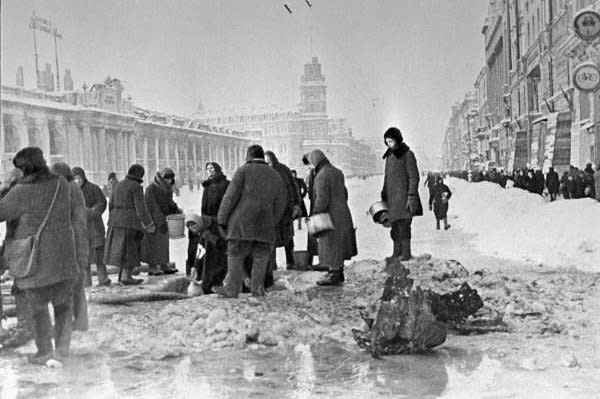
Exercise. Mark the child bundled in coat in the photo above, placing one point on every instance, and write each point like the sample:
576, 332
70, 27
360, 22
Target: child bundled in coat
441, 196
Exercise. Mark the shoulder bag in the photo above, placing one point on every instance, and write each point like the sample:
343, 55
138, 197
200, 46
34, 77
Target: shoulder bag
20, 254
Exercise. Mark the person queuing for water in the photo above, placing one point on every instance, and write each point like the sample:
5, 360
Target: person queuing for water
293, 210
248, 218
302, 191
159, 202
95, 203
597, 183
44, 208
439, 203
110, 184
429, 183
128, 219
331, 197
80, 312
400, 191
22, 332
214, 263
312, 246
588, 181
552, 183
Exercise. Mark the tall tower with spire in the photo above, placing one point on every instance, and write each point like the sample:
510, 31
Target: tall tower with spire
313, 93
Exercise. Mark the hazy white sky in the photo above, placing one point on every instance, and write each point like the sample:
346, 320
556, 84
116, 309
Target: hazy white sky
387, 62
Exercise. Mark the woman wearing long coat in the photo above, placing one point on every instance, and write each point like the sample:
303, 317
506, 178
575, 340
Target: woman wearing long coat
400, 191
159, 201
331, 197
62, 247
441, 196
214, 263
128, 218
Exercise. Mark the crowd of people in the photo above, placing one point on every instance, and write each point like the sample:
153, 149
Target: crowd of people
574, 183
55, 230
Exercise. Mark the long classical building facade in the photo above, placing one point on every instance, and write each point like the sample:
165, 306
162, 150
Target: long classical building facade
529, 112
290, 134
102, 132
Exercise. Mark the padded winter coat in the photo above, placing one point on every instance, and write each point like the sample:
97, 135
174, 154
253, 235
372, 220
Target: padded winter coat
253, 204
401, 183
95, 204
126, 206
63, 245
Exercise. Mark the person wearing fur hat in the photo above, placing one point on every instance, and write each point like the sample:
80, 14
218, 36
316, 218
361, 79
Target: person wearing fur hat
248, 217
331, 197
44, 202
400, 191
160, 204
439, 201
128, 219
95, 203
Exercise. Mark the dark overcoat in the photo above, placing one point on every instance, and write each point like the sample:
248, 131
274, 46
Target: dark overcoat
63, 244
552, 182
286, 224
95, 204
159, 201
253, 203
126, 206
401, 183
212, 194
440, 207
331, 196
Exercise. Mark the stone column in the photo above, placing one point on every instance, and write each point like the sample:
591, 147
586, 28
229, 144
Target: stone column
132, 150
87, 147
103, 164
186, 168
145, 155
195, 161
157, 154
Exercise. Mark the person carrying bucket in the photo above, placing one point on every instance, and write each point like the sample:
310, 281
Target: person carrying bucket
159, 201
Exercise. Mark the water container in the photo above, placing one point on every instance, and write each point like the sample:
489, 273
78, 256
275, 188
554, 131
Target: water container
176, 224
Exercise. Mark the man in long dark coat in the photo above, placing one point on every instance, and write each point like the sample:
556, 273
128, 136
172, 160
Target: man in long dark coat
95, 204
159, 201
552, 183
293, 210
400, 191
331, 197
248, 217
302, 191
128, 219
439, 202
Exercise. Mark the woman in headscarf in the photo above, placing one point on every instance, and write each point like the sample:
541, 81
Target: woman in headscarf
45, 204
214, 264
160, 204
331, 196
127, 220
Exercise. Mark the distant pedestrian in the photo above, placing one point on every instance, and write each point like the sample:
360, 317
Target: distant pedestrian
441, 196
128, 219
429, 183
44, 202
331, 197
248, 218
285, 236
597, 183
552, 183
538, 182
566, 184
588, 181
400, 191
159, 202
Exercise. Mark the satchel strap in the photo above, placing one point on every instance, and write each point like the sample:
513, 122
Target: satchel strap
41, 228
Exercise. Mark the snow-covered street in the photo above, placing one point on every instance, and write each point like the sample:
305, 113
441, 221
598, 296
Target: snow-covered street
197, 347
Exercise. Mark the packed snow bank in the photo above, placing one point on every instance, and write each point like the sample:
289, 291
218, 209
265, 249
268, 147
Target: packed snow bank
515, 224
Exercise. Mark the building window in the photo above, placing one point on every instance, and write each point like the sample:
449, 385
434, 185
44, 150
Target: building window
11, 137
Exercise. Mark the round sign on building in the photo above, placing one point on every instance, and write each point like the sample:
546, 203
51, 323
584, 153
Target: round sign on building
587, 24
586, 76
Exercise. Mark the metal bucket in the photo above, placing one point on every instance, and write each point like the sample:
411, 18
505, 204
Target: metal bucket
176, 224
319, 223
377, 209
301, 260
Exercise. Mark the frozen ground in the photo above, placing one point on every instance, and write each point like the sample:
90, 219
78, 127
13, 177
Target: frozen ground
195, 348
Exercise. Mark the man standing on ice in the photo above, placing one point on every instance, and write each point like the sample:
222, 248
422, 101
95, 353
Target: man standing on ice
400, 191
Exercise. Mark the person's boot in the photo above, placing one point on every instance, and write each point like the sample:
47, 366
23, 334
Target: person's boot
169, 268
437, 224
154, 270
405, 250
87, 278
103, 279
342, 278
127, 278
43, 337
446, 225
63, 328
22, 333
332, 278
